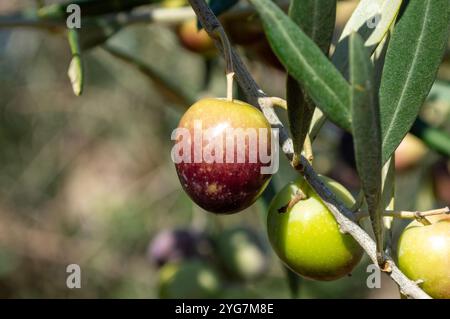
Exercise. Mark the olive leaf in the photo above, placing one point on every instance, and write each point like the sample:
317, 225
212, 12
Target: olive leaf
379, 14
412, 60
317, 19
372, 20
76, 70
366, 132
306, 62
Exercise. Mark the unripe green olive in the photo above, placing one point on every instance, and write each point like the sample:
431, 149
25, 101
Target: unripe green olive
306, 237
424, 254
190, 279
242, 253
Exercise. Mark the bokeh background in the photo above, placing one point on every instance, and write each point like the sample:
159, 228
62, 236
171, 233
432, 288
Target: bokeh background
88, 180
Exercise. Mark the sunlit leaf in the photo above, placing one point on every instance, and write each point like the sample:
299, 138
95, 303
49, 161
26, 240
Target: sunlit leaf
306, 62
317, 19
413, 58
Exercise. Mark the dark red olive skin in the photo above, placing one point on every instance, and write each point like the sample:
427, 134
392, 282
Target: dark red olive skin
224, 188
176, 245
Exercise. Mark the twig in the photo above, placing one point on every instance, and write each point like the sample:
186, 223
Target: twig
407, 214
343, 216
279, 102
137, 16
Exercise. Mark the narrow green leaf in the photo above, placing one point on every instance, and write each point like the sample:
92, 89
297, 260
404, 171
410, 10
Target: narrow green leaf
366, 132
305, 61
412, 60
76, 70
378, 13
372, 20
317, 19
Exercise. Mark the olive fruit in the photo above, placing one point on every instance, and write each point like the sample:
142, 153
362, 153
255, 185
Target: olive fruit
218, 154
241, 253
424, 254
177, 245
409, 153
306, 237
441, 177
195, 40
188, 280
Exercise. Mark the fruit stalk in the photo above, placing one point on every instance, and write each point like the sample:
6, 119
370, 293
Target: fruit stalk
220, 32
344, 216
420, 216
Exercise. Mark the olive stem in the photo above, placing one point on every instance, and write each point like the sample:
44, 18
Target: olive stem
228, 55
343, 215
230, 78
279, 102
419, 216
299, 195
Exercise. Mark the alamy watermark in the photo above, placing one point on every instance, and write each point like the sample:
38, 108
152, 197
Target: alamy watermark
224, 144
73, 20
374, 279
375, 19
73, 280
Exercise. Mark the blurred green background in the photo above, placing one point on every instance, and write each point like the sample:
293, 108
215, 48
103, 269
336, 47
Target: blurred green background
88, 180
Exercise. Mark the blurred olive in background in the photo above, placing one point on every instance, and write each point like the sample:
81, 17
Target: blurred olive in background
189, 279
177, 245
409, 153
441, 174
196, 40
241, 253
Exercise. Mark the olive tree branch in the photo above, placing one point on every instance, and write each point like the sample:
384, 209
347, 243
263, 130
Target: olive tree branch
143, 14
343, 215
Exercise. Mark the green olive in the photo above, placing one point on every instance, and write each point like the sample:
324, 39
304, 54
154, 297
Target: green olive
306, 237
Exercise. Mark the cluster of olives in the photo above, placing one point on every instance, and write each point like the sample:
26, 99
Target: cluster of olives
306, 236
195, 265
